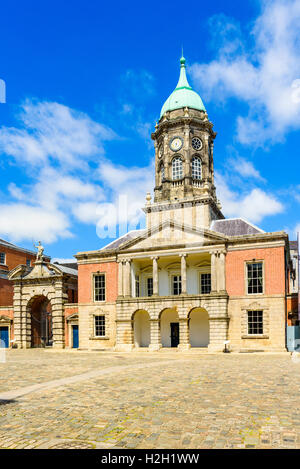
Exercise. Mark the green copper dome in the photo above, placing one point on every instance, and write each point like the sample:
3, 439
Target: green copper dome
183, 95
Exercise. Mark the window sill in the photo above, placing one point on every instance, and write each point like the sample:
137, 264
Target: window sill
255, 336
99, 338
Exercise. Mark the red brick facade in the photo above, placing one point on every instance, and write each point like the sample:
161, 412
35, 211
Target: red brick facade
85, 281
274, 270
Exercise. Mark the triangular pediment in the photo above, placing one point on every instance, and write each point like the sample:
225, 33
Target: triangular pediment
170, 234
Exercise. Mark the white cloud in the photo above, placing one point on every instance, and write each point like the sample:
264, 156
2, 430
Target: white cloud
24, 222
54, 141
253, 206
125, 189
266, 77
52, 132
245, 168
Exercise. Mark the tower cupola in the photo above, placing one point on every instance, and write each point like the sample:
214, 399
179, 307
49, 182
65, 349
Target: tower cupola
183, 96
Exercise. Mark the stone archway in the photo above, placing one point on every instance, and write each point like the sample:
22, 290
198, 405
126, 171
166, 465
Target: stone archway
40, 312
141, 328
169, 328
199, 327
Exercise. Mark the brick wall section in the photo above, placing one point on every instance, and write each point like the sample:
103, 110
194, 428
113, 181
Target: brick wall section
274, 270
6, 292
14, 257
85, 281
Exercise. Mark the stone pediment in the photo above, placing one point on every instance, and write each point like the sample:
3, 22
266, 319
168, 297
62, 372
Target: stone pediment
170, 234
40, 270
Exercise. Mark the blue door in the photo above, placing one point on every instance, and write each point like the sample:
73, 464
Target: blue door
4, 337
75, 336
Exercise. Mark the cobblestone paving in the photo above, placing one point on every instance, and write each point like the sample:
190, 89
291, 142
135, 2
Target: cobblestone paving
178, 400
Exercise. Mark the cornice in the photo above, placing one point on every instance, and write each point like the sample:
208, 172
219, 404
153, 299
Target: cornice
183, 120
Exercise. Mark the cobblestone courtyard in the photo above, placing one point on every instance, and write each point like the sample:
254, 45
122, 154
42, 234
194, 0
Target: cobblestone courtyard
148, 400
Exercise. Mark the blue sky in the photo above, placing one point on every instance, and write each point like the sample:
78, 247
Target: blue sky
85, 83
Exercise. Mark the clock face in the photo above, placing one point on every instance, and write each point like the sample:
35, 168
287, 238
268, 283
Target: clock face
176, 143
196, 143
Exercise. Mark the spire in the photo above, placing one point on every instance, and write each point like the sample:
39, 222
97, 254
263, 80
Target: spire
183, 96
182, 82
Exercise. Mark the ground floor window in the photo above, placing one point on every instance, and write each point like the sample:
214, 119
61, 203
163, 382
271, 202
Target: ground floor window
255, 322
99, 326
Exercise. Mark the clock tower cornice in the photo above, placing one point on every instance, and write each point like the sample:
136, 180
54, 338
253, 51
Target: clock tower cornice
170, 124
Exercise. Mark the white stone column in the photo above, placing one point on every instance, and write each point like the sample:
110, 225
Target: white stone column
155, 275
57, 311
214, 285
127, 286
18, 315
183, 274
222, 271
120, 278
184, 334
155, 338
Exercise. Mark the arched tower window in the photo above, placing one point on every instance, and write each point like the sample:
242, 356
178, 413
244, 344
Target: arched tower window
196, 168
177, 168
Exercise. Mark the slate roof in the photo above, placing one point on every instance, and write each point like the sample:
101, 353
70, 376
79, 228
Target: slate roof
235, 227
17, 248
123, 239
71, 265
67, 270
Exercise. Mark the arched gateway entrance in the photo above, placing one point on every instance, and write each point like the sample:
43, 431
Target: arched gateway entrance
40, 294
41, 322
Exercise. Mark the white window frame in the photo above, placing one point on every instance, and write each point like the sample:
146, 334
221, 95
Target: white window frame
258, 261
101, 325
262, 322
200, 281
96, 274
196, 170
146, 285
177, 169
172, 283
4, 257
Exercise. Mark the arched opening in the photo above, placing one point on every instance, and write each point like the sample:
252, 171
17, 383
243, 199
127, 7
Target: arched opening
196, 168
177, 168
141, 328
41, 322
199, 327
169, 328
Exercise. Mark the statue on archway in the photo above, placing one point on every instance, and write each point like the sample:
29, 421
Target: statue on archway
39, 254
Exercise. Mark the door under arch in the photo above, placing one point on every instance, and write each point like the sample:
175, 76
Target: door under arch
41, 323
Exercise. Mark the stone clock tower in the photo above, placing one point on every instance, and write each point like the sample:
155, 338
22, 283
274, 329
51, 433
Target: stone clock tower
184, 169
